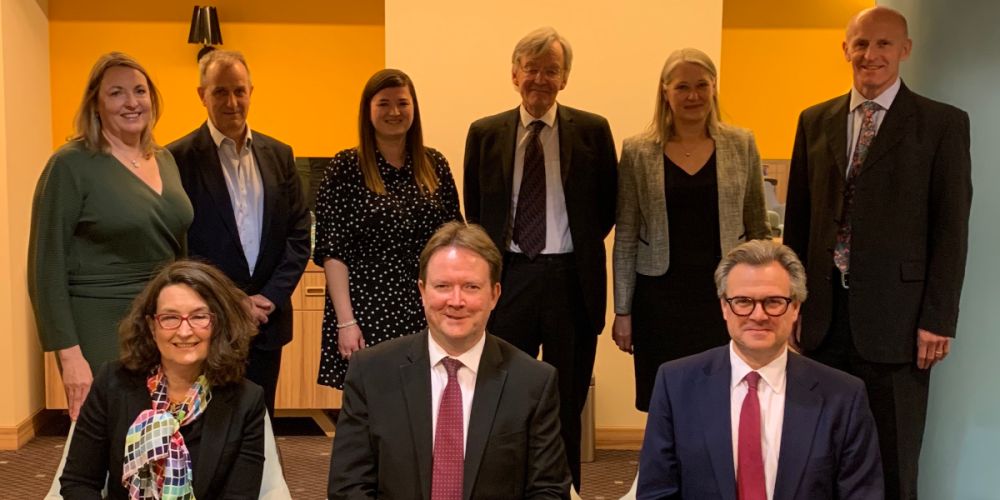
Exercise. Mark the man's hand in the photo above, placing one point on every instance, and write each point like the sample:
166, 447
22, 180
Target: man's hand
621, 332
260, 307
931, 348
76, 377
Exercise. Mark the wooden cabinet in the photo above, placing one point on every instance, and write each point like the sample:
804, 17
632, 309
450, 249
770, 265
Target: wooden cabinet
298, 393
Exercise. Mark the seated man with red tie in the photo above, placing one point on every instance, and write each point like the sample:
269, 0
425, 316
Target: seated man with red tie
450, 413
753, 420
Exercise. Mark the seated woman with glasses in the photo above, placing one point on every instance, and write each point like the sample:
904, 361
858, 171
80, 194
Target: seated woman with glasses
174, 417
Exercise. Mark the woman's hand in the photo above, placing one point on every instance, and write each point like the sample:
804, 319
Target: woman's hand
349, 339
76, 378
621, 332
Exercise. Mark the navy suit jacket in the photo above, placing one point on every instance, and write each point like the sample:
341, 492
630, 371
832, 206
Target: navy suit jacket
829, 447
384, 442
284, 238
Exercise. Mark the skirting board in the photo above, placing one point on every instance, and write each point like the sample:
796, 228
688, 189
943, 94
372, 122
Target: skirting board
618, 438
13, 438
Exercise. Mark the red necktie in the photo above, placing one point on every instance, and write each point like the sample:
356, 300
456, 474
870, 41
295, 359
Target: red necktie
750, 462
529, 216
449, 439
842, 251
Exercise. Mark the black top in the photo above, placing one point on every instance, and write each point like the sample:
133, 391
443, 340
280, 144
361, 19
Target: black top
692, 216
379, 239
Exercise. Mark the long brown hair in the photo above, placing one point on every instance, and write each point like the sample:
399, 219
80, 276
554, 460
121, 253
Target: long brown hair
423, 167
88, 123
232, 325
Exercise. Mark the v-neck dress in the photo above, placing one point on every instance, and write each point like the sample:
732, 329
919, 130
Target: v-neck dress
379, 239
98, 234
677, 314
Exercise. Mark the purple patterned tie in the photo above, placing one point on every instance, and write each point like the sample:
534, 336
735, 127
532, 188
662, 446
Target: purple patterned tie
529, 217
842, 252
449, 439
750, 460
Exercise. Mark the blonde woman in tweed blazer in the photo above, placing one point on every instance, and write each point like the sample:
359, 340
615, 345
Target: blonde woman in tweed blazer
663, 311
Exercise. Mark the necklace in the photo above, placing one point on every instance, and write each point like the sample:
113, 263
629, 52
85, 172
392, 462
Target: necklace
134, 162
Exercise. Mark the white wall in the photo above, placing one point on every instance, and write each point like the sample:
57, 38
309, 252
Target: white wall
458, 54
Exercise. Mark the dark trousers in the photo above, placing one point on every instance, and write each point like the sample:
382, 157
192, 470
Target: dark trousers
262, 369
897, 394
541, 305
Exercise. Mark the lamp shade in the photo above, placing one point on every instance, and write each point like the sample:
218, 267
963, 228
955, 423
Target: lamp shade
205, 26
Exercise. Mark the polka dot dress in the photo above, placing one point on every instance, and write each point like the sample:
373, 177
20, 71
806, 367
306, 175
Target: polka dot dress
379, 239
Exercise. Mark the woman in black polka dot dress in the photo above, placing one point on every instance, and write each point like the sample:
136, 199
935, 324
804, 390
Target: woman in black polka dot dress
378, 205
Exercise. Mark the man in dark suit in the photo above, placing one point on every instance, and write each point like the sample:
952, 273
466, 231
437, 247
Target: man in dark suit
250, 218
451, 412
878, 207
753, 420
541, 179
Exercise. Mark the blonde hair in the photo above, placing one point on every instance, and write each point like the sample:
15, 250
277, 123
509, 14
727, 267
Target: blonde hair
662, 127
87, 121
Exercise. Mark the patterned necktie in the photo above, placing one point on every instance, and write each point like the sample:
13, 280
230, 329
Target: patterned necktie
449, 439
750, 462
842, 252
529, 218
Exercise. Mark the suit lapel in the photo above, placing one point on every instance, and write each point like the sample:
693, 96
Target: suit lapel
715, 413
507, 142
416, 381
836, 133
490, 380
264, 158
892, 129
215, 429
210, 171
567, 134
802, 411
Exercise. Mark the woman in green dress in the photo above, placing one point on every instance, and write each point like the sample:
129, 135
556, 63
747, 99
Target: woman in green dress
109, 210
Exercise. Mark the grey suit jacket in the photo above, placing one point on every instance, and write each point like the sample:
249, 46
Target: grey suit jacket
384, 443
641, 234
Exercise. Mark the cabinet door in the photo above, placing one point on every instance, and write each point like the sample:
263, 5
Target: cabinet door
297, 387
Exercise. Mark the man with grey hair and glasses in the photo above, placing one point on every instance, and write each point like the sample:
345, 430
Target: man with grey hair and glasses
541, 179
754, 420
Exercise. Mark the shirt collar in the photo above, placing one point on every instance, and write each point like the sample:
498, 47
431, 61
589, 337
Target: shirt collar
884, 99
468, 358
218, 137
549, 117
773, 373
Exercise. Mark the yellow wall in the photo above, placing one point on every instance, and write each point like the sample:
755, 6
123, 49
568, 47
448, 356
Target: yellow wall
24, 146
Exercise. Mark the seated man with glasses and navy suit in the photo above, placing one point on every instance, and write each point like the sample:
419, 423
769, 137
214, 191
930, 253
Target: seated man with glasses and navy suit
752, 420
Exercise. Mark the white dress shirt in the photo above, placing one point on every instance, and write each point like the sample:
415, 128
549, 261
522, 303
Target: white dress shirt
857, 116
246, 190
466, 380
557, 235
771, 394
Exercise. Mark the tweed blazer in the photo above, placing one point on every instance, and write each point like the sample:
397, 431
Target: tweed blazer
641, 234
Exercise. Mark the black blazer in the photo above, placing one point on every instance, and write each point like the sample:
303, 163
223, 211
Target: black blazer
230, 458
829, 447
909, 223
213, 236
383, 444
588, 162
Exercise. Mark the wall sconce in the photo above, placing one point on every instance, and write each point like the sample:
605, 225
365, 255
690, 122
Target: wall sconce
205, 29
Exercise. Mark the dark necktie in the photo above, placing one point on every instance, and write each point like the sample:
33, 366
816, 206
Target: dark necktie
449, 439
842, 252
750, 462
529, 217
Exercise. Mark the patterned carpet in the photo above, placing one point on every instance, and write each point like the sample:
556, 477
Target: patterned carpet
27, 473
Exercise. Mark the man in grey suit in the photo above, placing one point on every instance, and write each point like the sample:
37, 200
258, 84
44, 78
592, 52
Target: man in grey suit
878, 210
452, 412
541, 179
250, 217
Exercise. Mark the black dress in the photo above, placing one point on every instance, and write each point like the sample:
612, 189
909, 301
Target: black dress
678, 314
379, 239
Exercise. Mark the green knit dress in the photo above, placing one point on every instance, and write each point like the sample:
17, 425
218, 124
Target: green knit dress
98, 234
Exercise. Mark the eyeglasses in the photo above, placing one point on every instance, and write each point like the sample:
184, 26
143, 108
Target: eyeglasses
773, 306
170, 321
550, 73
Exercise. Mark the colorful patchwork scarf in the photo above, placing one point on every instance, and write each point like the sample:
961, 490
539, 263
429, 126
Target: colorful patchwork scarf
157, 464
